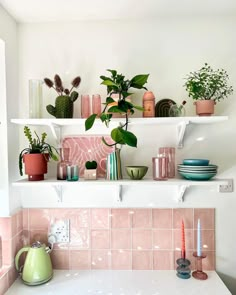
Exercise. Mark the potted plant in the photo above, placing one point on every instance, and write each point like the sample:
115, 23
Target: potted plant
90, 171
118, 84
207, 86
36, 156
64, 104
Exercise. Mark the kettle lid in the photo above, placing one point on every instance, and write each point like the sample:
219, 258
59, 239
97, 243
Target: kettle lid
36, 245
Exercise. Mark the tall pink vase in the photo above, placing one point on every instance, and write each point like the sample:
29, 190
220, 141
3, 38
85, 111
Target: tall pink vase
85, 106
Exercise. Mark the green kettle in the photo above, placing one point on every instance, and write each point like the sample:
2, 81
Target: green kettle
37, 268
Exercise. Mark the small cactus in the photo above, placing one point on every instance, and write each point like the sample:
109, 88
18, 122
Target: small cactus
64, 107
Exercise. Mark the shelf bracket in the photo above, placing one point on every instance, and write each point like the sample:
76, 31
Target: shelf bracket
181, 128
56, 135
119, 193
181, 192
59, 192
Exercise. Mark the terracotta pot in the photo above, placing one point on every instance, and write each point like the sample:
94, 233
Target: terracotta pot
36, 166
205, 107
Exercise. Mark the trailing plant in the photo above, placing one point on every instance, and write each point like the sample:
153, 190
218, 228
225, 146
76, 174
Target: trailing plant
207, 84
118, 84
37, 145
66, 97
91, 165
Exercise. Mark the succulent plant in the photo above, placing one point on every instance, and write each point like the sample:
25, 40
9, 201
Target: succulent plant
91, 165
64, 104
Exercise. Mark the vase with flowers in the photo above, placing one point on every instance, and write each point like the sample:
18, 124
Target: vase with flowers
177, 110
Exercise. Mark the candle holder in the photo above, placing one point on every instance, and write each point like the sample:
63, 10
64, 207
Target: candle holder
199, 274
183, 269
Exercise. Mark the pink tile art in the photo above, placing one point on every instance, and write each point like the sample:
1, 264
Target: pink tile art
88, 148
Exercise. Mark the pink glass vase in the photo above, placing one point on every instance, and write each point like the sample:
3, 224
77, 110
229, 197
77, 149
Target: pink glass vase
85, 106
64, 162
96, 104
169, 152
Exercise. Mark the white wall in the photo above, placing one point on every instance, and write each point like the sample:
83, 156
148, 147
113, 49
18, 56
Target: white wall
168, 49
9, 108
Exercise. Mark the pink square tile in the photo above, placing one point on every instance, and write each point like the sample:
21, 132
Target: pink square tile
4, 285
163, 260
38, 235
79, 238
121, 259
142, 239
14, 224
100, 239
7, 257
184, 214
5, 228
25, 213
206, 216
60, 259
100, 259
121, 218
208, 263
162, 218
189, 240
208, 240
39, 219
17, 244
142, 260
142, 218
19, 221
12, 275
189, 256
100, 218
79, 218
121, 239
162, 239
80, 260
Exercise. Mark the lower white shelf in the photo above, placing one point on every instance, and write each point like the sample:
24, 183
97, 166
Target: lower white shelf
182, 184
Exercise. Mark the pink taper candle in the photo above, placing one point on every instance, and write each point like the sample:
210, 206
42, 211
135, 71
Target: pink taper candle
183, 241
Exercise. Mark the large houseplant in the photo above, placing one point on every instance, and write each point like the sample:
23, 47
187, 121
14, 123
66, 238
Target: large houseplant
64, 103
118, 84
36, 155
207, 86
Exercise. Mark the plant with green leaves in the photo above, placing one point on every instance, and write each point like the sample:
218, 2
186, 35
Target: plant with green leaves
37, 145
208, 84
118, 84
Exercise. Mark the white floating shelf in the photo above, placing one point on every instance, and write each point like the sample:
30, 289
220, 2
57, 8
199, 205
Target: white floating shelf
181, 184
133, 121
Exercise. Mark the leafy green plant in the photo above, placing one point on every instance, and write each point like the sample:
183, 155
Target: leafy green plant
118, 84
207, 84
91, 165
37, 145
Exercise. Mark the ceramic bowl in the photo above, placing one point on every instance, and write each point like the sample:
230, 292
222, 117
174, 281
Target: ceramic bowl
136, 172
196, 162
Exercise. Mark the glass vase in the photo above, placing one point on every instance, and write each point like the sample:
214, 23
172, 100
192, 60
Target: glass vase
35, 98
63, 164
176, 111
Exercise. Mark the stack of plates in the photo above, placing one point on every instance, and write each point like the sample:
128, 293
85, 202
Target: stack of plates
197, 169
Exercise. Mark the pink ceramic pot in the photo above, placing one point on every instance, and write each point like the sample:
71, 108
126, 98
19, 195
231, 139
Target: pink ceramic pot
35, 166
205, 107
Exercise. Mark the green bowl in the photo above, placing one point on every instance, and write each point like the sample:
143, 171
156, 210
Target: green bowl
136, 172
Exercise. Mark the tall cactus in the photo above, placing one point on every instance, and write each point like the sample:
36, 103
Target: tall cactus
64, 104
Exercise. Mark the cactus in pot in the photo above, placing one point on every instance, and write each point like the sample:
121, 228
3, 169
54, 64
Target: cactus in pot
64, 104
90, 171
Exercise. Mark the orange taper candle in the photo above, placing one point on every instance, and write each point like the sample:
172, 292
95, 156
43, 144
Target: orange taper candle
183, 241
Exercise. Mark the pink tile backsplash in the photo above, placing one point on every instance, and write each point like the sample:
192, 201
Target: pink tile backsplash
106, 238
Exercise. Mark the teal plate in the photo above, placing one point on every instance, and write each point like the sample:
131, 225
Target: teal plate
197, 176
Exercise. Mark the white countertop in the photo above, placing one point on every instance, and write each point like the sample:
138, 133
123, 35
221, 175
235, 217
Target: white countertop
123, 282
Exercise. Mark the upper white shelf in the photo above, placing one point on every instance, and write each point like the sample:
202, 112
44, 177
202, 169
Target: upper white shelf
133, 121
180, 122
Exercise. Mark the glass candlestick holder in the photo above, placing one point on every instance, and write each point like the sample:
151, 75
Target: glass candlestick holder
199, 274
183, 269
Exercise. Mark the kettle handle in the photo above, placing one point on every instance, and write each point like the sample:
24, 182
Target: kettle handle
24, 249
